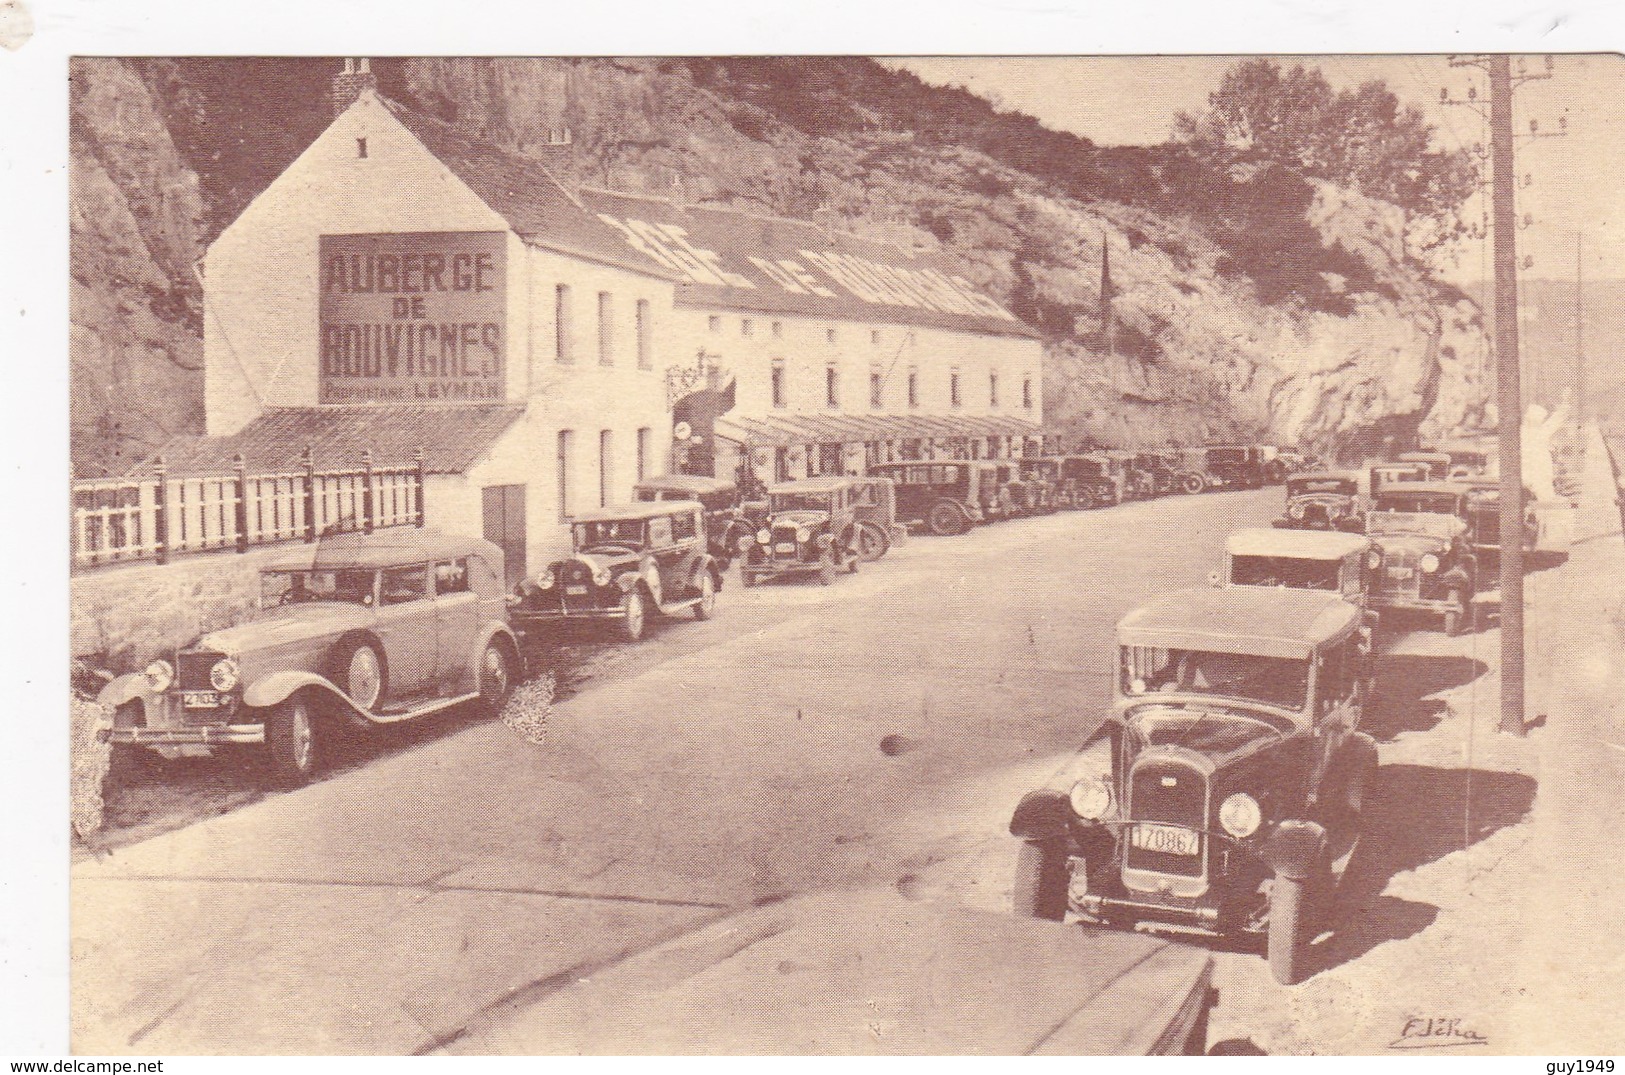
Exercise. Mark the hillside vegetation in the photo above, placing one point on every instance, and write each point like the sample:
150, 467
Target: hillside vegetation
1250, 299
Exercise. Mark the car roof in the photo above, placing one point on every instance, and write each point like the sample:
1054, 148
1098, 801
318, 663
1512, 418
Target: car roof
1299, 544
688, 483
812, 485
383, 548
1275, 622
1324, 476
1401, 488
641, 509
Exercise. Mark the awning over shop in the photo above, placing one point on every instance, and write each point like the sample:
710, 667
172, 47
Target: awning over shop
786, 429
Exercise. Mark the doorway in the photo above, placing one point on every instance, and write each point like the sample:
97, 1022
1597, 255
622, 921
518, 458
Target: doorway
505, 528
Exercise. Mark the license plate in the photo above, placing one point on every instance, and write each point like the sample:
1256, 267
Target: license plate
576, 591
1399, 572
788, 548
1166, 839
200, 699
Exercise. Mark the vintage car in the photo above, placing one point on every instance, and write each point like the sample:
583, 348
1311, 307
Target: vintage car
812, 528
1228, 466
1322, 502
1043, 474
871, 972
1230, 783
1298, 560
1139, 483
1092, 481
1438, 463
725, 521
1384, 474
1160, 466
1420, 557
945, 497
1548, 526
1016, 496
626, 562
1466, 463
353, 633
874, 504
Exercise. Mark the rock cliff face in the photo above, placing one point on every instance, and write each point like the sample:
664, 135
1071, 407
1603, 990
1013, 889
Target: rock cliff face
1281, 310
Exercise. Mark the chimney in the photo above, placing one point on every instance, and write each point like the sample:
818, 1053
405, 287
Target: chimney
349, 83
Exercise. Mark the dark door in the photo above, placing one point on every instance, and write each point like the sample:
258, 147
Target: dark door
505, 528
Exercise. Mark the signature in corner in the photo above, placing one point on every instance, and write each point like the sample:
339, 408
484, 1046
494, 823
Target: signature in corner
1435, 1032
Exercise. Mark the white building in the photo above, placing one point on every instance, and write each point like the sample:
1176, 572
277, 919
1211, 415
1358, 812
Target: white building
404, 288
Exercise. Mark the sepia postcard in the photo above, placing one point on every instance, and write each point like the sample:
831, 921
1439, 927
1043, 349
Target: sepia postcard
723, 554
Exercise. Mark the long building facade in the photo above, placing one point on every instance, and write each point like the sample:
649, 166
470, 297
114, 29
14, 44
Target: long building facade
403, 288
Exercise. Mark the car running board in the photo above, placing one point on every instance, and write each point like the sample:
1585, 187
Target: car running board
391, 716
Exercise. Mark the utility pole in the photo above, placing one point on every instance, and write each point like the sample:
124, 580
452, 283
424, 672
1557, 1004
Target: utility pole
1504, 223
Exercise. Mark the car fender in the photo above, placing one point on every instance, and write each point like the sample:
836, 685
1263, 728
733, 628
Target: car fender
130, 687
1042, 815
494, 629
628, 581
1294, 847
278, 687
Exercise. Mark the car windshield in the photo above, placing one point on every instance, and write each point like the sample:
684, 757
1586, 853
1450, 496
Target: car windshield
1274, 681
353, 586
1290, 571
800, 501
1198, 730
1417, 503
617, 533
1297, 487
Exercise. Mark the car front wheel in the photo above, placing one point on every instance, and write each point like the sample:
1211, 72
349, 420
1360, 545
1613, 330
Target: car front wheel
1084, 500
632, 615
1040, 888
944, 520
872, 541
359, 673
290, 739
1192, 484
496, 678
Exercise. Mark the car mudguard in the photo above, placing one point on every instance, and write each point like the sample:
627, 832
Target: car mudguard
1294, 847
493, 629
130, 687
278, 687
1042, 815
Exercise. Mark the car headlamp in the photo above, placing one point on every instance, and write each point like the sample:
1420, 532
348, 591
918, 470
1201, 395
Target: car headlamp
160, 674
1240, 815
764, 537
1429, 563
544, 581
600, 577
1373, 559
1091, 799
1296, 511
803, 535
225, 674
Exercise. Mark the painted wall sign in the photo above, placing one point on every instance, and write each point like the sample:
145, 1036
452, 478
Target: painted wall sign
413, 318
837, 274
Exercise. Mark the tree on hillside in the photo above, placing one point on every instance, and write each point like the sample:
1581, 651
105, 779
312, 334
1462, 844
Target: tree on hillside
1362, 139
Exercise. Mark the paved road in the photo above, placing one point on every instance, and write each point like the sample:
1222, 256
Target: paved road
875, 732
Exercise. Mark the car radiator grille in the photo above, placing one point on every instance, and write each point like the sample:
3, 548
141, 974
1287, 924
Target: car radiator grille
1487, 527
577, 574
192, 669
1151, 799
1400, 558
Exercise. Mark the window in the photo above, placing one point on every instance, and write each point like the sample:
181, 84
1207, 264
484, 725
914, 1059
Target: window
644, 433
1027, 393
874, 337
993, 388
777, 382
913, 387
361, 148
715, 323
876, 381
561, 324
606, 465
747, 327
563, 473
645, 336
606, 329
953, 388
403, 584
832, 386
778, 329
781, 464
451, 576
829, 335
